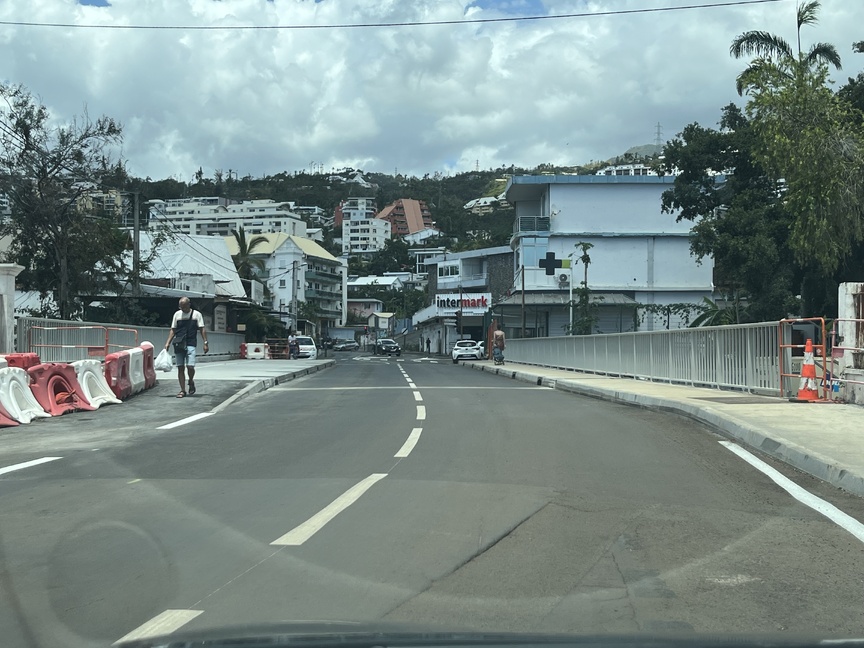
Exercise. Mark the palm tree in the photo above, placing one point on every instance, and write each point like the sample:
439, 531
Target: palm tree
772, 51
248, 267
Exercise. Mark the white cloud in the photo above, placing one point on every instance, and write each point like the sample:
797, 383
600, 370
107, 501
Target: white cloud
420, 99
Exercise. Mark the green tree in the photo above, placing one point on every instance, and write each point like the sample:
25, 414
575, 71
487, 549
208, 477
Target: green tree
776, 56
68, 249
808, 137
393, 258
740, 221
248, 266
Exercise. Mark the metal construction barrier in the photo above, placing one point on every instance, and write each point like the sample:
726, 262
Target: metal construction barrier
70, 341
56, 343
790, 348
744, 356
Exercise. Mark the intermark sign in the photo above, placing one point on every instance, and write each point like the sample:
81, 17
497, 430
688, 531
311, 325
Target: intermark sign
469, 303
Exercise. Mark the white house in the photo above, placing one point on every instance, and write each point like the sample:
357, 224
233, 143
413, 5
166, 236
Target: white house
640, 256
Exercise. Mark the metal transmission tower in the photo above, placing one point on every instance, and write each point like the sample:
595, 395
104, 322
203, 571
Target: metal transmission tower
658, 139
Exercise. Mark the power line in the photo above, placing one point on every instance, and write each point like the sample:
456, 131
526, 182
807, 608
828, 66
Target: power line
419, 23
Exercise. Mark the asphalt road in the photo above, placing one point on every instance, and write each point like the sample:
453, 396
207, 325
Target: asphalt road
407, 491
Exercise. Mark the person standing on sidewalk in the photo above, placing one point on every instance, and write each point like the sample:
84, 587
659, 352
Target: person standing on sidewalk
185, 326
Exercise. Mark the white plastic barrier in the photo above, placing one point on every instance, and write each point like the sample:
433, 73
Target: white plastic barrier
93, 384
3, 362
257, 351
136, 369
16, 397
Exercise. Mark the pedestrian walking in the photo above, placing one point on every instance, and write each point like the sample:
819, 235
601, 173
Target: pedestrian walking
186, 324
428, 345
498, 343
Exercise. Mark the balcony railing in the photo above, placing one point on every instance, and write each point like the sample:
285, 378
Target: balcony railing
322, 294
323, 274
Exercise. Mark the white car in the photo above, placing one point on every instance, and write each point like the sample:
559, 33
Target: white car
306, 347
467, 350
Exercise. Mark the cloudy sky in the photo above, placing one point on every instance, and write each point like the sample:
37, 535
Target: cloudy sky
417, 98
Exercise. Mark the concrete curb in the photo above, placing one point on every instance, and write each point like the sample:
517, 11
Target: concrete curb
267, 383
753, 436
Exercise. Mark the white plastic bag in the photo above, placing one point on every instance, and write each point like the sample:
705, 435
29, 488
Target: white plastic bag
163, 361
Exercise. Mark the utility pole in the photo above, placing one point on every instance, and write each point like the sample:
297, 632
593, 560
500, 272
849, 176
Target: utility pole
294, 294
461, 314
136, 248
523, 300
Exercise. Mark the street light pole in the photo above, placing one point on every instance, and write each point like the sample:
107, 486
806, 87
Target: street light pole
570, 256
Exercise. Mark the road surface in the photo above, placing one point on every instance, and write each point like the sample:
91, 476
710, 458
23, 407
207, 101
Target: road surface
407, 491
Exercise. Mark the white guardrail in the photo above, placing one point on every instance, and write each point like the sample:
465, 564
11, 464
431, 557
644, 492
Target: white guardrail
743, 357
67, 341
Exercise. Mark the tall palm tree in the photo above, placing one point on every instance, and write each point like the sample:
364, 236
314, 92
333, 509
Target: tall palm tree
772, 51
248, 267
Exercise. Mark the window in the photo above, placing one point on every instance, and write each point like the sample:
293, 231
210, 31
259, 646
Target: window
451, 270
281, 283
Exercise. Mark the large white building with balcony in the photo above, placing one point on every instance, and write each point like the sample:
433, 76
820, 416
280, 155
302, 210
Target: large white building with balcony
299, 271
640, 262
216, 217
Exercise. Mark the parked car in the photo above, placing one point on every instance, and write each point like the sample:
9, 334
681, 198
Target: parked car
306, 347
467, 350
346, 345
387, 347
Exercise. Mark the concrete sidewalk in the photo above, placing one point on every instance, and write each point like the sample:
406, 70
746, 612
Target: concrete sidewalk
825, 440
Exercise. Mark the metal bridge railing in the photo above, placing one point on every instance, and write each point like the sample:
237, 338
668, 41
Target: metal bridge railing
744, 357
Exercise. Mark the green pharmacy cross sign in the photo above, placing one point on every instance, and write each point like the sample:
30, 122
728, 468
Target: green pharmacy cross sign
551, 263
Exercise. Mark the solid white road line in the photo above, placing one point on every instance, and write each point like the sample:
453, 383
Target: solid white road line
188, 419
162, 624
27, 464
409, 444
300, 534
417, 396
421, 412
412, 385
807, 498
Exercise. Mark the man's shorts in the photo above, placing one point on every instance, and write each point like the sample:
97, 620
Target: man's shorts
185, 359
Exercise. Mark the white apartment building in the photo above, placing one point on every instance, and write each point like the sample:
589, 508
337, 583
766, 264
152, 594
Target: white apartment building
362, 233
213, 216
640, 255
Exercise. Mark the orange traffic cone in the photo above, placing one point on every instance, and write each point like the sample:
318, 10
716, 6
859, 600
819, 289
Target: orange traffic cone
807, 388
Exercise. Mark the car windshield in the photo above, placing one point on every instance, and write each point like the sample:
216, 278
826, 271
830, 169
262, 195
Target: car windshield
618, 245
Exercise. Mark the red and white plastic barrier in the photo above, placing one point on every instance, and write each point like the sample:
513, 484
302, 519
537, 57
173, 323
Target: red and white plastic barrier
136, 369
256, 351
16, 397
93, 385
22, 360
55, 386
149, 368
117, 374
